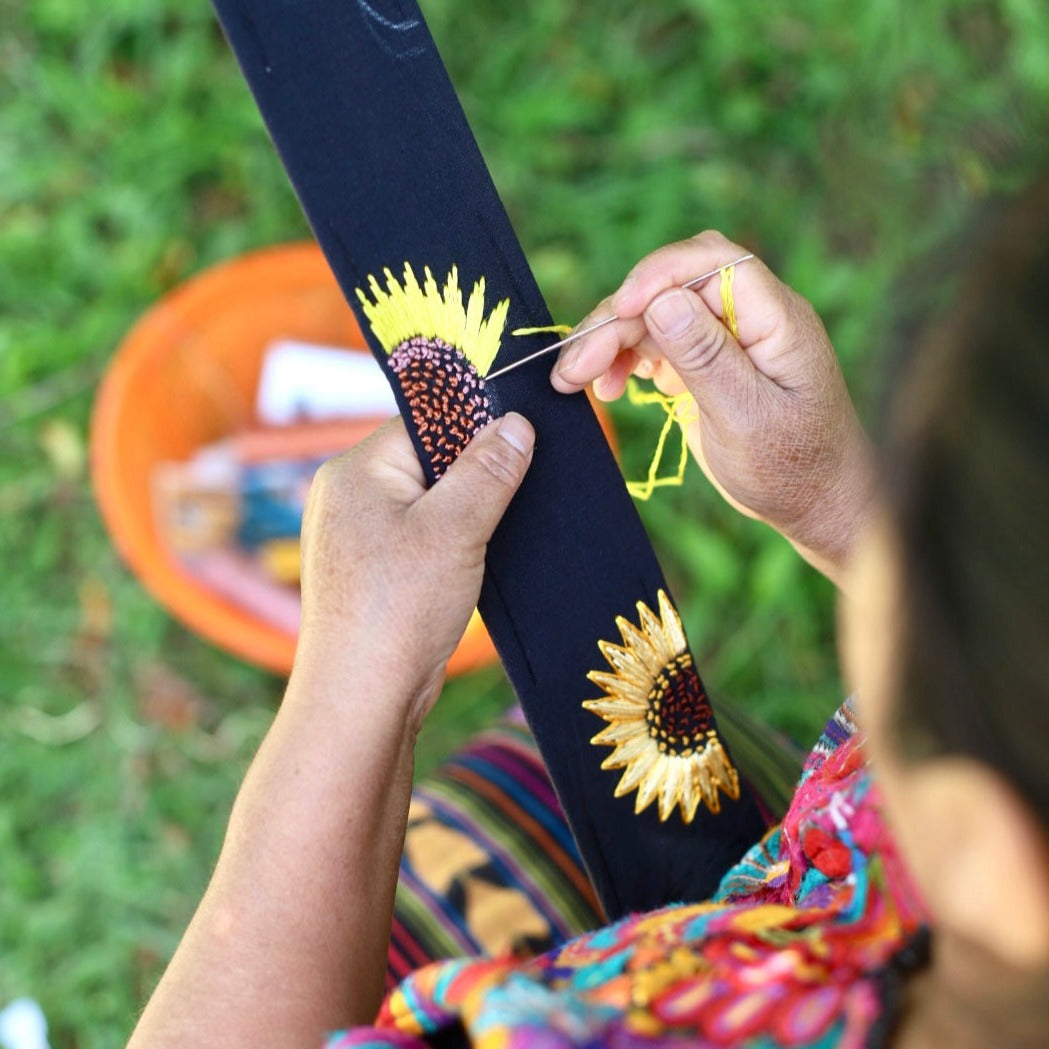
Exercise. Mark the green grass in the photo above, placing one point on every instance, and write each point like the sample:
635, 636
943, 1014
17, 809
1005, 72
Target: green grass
838, 139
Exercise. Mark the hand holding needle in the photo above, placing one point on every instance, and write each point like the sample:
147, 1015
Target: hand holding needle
695, 282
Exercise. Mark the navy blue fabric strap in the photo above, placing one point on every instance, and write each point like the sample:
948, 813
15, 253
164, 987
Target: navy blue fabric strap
377, 147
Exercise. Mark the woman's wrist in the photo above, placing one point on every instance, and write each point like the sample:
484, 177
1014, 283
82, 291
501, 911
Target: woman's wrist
348, 674
827, 535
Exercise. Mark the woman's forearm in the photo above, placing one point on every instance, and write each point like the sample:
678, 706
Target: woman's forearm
290, 939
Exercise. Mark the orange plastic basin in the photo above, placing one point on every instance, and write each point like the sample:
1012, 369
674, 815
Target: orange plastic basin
186, 376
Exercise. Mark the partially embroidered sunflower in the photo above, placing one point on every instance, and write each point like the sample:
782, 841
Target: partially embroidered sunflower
440, 351
659, 719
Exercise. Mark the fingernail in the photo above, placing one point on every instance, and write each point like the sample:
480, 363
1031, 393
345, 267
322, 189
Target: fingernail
672, 312
517, 431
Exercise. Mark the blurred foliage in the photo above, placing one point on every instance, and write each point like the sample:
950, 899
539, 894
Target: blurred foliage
838, 140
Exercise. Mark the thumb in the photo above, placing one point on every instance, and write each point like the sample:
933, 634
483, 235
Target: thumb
701, 350
478, 486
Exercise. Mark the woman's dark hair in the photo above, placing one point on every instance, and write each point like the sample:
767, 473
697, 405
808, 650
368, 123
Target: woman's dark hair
966, 478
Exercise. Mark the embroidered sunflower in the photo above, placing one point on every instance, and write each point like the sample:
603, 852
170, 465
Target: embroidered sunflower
440, 350
659, 719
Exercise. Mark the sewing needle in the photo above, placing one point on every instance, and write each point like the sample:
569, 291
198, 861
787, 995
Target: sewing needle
608, 320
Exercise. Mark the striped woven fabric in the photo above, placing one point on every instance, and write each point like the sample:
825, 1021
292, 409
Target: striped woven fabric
489, 865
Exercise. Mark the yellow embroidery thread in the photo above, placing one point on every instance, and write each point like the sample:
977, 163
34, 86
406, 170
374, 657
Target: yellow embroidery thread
556, 329
680, 409
728, 301
399, 312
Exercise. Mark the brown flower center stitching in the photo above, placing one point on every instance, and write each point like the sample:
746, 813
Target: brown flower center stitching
678, 712
446, 395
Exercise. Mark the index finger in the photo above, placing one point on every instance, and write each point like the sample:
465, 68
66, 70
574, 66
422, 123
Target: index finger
593, 354
756, 287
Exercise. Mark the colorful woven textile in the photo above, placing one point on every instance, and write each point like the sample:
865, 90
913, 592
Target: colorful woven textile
788, 953
489, 865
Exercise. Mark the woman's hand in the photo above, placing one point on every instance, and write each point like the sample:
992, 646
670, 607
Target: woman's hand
391, 571
302, 894
775, 431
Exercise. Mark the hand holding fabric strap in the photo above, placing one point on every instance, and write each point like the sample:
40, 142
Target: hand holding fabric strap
387, 170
